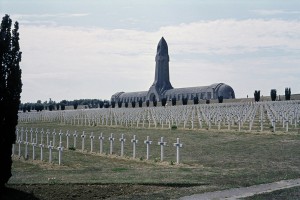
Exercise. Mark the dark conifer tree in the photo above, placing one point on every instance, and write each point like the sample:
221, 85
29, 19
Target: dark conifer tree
10, 90
257, 95
133, 104
140, 103
196, 100
220, 99
287, 94
184, 101
75, 105
273, 95
154, 102
120, 104
174, 101
113, 104
163, 101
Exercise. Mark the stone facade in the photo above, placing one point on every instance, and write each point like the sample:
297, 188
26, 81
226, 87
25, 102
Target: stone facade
162, 88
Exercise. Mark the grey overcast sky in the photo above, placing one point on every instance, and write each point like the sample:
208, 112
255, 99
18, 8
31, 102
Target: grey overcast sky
76, 49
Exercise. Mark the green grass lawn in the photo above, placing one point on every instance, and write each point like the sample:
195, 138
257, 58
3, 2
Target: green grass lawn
210, 159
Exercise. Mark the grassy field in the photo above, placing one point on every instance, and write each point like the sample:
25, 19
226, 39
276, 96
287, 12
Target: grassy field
210, 160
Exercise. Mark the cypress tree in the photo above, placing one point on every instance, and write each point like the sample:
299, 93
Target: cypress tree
10, 90
163, 101
273, 95
196, 100
140, 103
257, 95
287, 94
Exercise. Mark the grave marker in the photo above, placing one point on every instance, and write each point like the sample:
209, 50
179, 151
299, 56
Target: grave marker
26, 146
162, 144
122, 140
60, 150
60, 136
67, 135
36, 135
42, 136
54, 134
33, 148
82, 141
148, 142
47, 133
50, 147
92, 138
75, 136
134, 141
177, 145
19, 142
111, 139
31, 132
101, 138
41, 147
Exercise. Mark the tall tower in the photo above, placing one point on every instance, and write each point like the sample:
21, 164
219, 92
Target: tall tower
162, 78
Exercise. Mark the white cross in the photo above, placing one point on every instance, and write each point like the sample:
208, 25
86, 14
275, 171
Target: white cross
47, 133
31, 132
148, 142
54, 134
122, 140
82, 141
67, 135
101, 138
75, 136
261, 120
19, 142
42, 135
162, 144
36, 135
274, 124
111, 139
286, 124
33, 148
50, 147
26, 146
22, 131
17, 134
177, 145
60, 135
92, 138
41, 146
134, 142
60, 150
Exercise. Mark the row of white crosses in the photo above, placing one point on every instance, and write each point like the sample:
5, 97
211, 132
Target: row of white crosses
134, 141
228, 115
51, 144
34, 143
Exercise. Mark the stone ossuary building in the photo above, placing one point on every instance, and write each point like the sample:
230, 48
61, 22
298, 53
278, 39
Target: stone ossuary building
162, 88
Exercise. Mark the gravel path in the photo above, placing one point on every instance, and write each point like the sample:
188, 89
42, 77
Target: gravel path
237, 193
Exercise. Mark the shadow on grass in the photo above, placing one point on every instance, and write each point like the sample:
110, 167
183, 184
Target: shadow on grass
13, 194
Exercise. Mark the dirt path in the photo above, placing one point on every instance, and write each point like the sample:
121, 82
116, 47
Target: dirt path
237, 193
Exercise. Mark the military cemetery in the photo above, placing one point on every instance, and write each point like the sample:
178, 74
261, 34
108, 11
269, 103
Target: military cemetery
181, 139
165, 142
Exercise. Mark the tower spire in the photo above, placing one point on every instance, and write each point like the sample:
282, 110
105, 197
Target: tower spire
162, 78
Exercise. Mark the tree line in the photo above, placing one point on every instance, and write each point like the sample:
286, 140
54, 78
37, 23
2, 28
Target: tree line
98, 103
53, 105
273, 95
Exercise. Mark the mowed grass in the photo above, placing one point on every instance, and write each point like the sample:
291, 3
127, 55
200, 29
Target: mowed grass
216, 160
